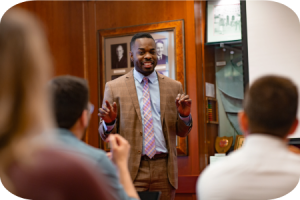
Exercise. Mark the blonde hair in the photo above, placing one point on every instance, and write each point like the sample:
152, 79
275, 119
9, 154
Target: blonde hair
25, 68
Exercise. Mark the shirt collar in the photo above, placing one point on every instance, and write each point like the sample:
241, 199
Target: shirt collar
263, 141
62, 131
139, 77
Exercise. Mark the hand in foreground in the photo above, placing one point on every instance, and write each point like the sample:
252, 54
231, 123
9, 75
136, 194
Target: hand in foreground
183, 103
108, 154
119, 148
108, 112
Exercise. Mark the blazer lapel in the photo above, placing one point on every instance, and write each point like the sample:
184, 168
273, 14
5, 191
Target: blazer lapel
132, 92
163, 97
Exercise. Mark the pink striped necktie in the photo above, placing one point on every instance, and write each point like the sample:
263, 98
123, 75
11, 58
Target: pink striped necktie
149, 140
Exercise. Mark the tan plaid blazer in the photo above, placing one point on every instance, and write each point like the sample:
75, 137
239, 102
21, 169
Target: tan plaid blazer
129, 122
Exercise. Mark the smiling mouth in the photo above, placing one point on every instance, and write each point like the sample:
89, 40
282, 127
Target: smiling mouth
148, 64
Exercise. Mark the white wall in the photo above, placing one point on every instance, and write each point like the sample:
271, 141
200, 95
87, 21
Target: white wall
273, 42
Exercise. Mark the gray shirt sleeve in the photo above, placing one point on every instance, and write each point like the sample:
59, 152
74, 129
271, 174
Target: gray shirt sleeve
110, 172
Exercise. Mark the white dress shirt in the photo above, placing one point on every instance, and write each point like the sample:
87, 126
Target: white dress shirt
263, 168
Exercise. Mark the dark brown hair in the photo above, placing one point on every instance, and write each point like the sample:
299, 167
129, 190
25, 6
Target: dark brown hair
271, 105
70, 97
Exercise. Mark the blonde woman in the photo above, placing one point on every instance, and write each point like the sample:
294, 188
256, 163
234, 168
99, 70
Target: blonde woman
30, 166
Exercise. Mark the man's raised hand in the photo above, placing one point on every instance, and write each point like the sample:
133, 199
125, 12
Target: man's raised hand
183, 103
119, 148
108, 112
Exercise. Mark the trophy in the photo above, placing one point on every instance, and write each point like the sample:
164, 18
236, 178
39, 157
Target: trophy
223, 144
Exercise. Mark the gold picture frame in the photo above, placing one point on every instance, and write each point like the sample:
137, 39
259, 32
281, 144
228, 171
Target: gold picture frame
239, 141
106, 37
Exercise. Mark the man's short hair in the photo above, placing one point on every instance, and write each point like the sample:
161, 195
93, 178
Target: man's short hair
160, 41
271, 105
70, 97
139, 35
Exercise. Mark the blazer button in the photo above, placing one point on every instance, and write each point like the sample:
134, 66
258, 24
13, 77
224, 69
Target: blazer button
141, 133
139, 152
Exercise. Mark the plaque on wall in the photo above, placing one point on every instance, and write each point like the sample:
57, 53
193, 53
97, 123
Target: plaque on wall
239, 141
223, 144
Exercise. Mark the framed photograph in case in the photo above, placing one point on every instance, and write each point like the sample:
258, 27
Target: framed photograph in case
223, 21
239, 141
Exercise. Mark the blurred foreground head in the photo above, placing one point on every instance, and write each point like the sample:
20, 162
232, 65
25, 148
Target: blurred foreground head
270, 107
24, 72
27, 167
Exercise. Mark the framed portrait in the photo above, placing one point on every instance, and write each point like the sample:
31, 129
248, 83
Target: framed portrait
118, 56
114, 57
116, 61
223, 21
239, 141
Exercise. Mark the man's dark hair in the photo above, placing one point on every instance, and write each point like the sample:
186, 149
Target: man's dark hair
139, 35
70, 97
271, 105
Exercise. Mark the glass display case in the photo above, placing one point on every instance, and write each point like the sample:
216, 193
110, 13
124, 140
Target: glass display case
229, 74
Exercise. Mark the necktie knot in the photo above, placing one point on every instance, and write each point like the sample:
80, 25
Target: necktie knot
145, 79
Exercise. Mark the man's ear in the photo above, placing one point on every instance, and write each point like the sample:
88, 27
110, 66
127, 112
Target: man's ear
131, 55
84, 118
243, 122
293, 127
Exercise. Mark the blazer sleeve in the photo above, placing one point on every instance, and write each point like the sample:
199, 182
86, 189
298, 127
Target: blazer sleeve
108, 96
182, 129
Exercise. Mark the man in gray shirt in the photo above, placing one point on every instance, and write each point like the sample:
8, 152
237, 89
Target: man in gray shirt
73, 111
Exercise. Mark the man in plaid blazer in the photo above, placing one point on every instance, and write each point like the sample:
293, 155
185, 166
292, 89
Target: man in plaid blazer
123, 112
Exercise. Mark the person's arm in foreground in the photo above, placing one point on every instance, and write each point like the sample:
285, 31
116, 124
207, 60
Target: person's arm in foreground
120, 149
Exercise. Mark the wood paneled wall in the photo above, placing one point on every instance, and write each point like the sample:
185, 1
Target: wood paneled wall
67, 25
72, 27
63, 23
206, 67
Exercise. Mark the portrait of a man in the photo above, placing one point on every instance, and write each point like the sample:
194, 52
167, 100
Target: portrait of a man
160, 51
119, 56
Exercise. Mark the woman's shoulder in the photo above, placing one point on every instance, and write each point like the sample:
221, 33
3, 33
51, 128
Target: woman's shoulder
56, 172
